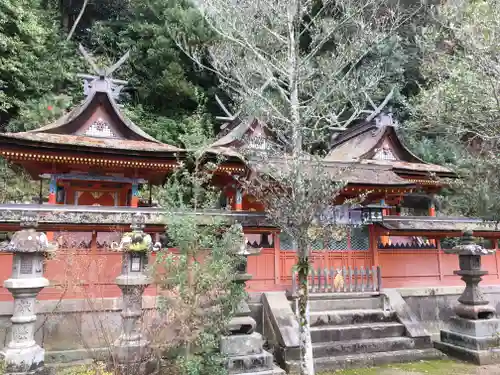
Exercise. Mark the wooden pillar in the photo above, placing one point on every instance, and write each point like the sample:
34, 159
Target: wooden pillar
93, 242
373, 241
52, 200
135, 195
277, 258
432, 207
432, 213
385, 240
40, 192
52, 190
238, 201
497, 262
440, 258
350, 262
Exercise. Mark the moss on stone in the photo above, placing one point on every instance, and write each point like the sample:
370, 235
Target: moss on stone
438, 367
137, 242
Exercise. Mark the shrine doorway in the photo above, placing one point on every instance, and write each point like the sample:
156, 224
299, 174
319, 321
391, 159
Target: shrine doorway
97, 198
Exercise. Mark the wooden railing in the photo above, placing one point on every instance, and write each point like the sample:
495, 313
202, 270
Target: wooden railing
342, 280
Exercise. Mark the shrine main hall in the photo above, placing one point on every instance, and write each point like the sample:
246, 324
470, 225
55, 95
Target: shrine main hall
100, 169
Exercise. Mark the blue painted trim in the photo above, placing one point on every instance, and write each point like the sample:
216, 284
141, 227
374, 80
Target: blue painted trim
53, 185
73, 176
239, 196
135, 190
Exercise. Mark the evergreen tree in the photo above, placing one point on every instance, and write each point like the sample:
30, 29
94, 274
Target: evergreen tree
165, 86
455, 117
35, 62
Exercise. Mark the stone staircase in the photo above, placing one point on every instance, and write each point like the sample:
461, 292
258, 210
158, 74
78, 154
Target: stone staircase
351, 330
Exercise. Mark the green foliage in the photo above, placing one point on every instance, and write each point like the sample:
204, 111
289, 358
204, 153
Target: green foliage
16, 186
138, 242
165, 88
40, 111
454, 118
199, 295
34, 60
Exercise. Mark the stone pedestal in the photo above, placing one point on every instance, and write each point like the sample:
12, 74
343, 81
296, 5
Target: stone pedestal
23, 355
476, 341
474, 334
243, 347
131, 350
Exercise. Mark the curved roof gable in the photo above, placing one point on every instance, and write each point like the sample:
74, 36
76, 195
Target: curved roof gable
97, 122
378, 143
76, 120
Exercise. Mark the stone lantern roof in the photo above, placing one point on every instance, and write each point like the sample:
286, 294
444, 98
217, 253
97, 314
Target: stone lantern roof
29, 240
137, 240
469, 247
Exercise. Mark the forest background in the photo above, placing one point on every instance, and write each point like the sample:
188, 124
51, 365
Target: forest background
168, 95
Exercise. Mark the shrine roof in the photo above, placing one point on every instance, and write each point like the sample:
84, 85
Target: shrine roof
84, 141
436, 224
72, 129
103, 97
377, 143
351, 173
97, 122
237, 130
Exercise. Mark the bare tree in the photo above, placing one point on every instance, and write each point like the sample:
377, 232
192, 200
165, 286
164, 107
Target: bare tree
305, 69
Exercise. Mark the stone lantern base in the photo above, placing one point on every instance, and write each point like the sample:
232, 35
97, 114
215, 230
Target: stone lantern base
29, 360
23, 355
476, 341
474, 334
244, 348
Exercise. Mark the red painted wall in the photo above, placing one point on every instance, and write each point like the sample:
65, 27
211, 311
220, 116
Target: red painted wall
90, 273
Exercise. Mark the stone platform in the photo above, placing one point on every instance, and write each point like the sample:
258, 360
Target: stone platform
475, 341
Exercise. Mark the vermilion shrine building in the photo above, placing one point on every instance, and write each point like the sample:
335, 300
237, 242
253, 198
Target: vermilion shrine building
96, 161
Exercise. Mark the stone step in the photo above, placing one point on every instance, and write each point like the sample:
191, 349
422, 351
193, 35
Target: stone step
342, 348
359, 303
342, 295
274, 371
374, 359
335, 317
258, 362
356, 331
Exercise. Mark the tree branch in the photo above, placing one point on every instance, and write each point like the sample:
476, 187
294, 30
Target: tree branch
75, 24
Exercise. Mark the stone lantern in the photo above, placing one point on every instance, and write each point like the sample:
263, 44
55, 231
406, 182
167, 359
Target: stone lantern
23, 355
243, 347
473, 333
131, 349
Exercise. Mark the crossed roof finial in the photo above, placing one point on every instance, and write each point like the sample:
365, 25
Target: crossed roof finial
102, 80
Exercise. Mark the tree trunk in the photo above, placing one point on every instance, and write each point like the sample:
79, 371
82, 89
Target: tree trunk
293, 54
306, 353
77, 21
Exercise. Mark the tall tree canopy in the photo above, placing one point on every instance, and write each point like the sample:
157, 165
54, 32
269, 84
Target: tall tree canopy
455, 117
35, 61
165, 86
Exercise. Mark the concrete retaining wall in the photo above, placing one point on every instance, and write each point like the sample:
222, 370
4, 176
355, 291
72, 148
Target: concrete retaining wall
434, 305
